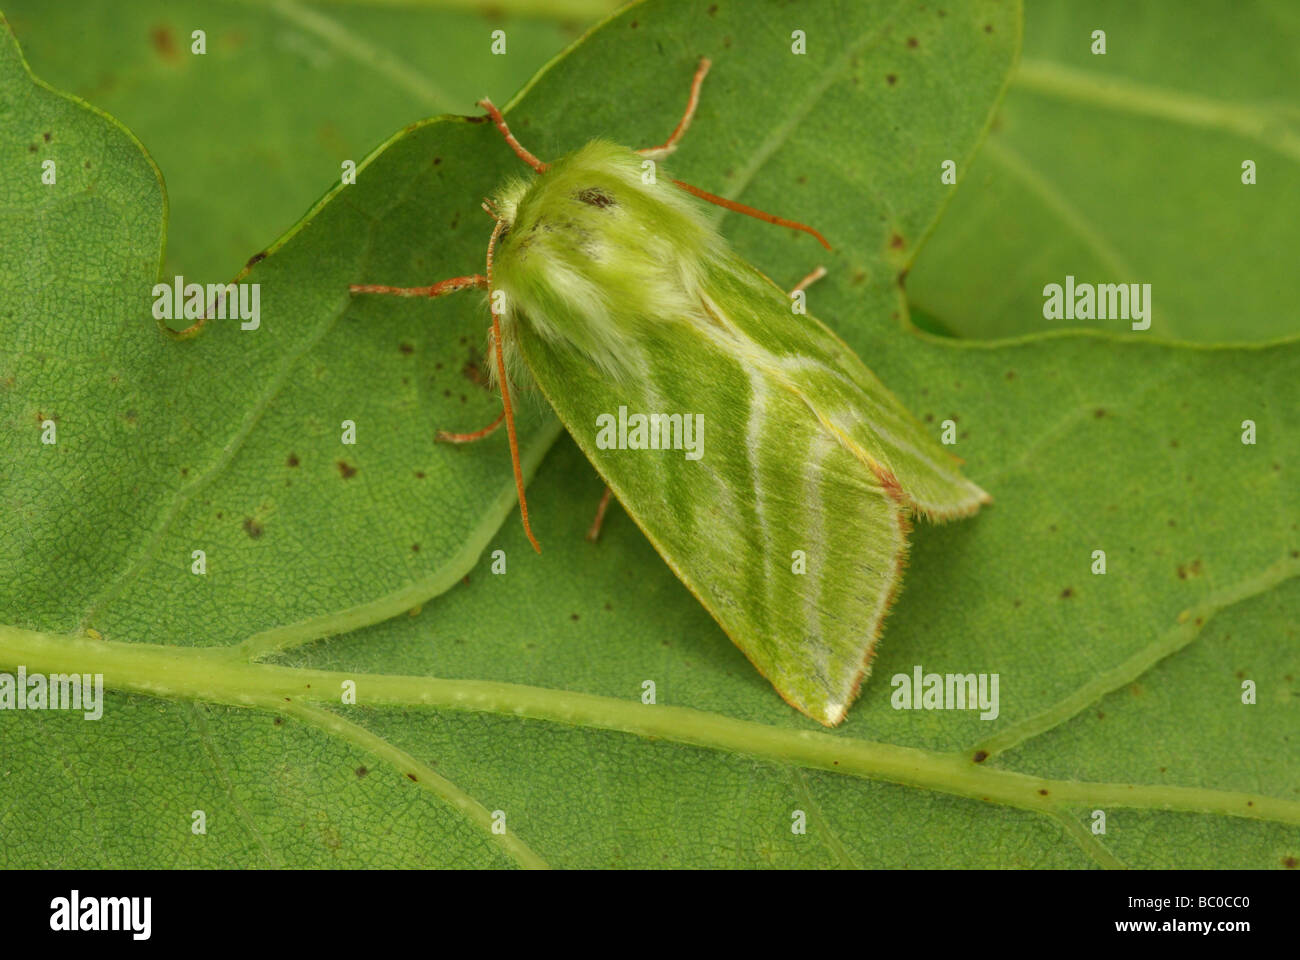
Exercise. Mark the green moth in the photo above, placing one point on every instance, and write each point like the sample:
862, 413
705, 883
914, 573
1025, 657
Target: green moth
612, 292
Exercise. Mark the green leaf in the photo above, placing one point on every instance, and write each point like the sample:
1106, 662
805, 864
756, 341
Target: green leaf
1127, 168
251, 132
521, 693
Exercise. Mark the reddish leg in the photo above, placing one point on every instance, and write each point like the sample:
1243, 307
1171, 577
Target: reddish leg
752, 211
593, 534
809, 280
437, 290
669, 145
497, 348
446, 436
514, 144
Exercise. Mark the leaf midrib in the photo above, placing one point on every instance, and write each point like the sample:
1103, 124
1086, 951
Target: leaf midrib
223, 675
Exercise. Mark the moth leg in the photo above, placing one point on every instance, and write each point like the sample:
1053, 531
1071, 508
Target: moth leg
436, 290
809, 280
593, 534
446, 436
669, 145
520, 150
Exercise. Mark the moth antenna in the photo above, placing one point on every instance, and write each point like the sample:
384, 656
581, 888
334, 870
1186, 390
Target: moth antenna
669, 145
514, 144
437, 290
491, 210
505, 393
751, 211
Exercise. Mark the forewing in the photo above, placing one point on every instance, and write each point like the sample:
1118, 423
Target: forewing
850, 400
790, 527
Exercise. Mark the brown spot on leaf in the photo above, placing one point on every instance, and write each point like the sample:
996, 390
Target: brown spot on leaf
405, 348
252, 527
1067, 593
475, 372
912, 42
362, 771
1042, 793
165, 43
292, 461
896, 241
346, 470
980, 756
255, 259
413, 778
891, 79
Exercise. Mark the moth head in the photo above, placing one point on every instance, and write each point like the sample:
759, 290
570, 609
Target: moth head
598, 245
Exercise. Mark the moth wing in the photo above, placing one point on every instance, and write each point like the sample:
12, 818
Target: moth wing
785, 514
912, 465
